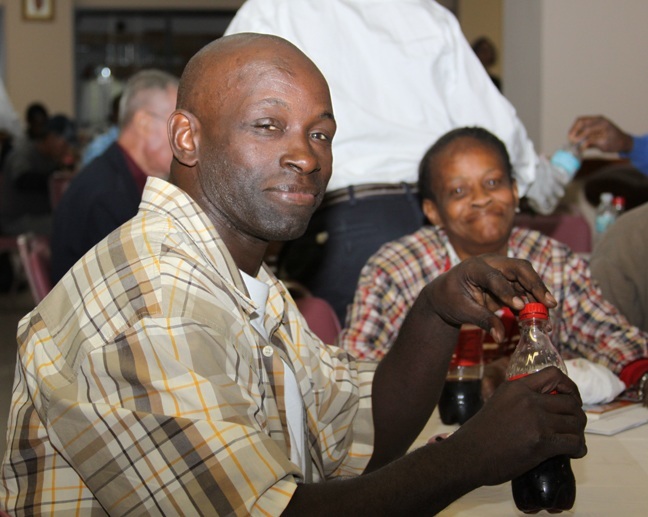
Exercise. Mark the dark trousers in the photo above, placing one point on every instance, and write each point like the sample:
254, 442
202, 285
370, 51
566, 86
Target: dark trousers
340, 238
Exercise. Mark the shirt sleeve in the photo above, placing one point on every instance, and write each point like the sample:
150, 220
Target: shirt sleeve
165, 417
639, 154
590, 326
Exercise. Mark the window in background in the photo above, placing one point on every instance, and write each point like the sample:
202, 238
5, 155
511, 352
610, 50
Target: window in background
111, 45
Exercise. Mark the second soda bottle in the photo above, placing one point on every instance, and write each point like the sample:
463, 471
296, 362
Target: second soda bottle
461, 395
551, 485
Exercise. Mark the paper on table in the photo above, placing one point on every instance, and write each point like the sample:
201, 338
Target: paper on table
617, 422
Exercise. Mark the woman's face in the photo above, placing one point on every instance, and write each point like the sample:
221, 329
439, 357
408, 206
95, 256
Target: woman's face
475, 200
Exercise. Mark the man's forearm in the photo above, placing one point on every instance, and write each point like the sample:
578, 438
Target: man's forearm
421, 483
408, 382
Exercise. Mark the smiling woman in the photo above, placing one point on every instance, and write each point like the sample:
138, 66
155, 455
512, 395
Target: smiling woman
470, 200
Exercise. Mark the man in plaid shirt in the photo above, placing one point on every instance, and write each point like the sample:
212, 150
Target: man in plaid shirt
170, 373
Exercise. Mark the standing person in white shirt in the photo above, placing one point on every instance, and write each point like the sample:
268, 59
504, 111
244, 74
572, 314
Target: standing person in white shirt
401, 74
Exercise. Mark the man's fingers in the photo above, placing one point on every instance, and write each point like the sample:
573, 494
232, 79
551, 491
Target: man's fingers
552, 380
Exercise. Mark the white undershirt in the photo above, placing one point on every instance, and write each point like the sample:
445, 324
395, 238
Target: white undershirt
292, 396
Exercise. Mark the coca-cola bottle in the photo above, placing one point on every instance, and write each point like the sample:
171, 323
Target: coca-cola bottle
461, 396
551, 485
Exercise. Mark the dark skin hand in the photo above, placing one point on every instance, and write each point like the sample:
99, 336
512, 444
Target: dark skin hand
522, 424
601, 133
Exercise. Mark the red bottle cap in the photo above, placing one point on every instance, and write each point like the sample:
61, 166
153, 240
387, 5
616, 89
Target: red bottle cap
534, 310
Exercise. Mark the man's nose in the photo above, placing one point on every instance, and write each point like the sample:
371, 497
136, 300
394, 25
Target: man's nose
300, 156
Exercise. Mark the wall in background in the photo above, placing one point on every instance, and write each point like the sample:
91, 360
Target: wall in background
39, 63
581, 57
483, 18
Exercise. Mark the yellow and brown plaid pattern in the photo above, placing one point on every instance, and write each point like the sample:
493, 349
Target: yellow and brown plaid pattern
141, 386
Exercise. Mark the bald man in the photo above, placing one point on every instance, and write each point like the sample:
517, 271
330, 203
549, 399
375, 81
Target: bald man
170, 373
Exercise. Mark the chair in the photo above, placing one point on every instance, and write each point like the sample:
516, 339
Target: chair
320, 316
570, 229
35, 257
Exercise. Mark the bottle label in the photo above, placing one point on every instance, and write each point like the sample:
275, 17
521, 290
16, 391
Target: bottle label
566, 161
603, 222
469, 349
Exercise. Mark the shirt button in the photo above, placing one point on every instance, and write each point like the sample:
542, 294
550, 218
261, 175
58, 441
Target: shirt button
268, 351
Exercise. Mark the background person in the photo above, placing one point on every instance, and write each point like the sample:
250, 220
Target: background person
170, 372
106, 192
401, 74
618, 264
470, 197
631, 182
25, 204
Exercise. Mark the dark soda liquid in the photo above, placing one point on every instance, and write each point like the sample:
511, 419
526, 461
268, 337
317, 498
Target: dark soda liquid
549, 486
460, 399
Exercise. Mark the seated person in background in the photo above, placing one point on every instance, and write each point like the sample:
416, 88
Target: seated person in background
26, 174
36, 117
618, 264
631, 182
170, 372
470, 198
107, 192
601, 133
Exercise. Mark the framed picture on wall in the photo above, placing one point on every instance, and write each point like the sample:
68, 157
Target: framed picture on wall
38, 10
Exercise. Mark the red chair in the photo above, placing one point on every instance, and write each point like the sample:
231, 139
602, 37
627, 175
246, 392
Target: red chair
35, 257
570, 229
320, 316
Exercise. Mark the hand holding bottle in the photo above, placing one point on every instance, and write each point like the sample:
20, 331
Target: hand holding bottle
599, 132
523, 424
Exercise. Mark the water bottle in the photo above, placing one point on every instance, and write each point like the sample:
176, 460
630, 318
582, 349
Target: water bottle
551, 485
568, 159
461, 396
619, 205
605, 213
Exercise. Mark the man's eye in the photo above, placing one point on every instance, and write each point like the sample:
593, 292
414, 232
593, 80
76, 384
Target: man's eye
321, 136
268, 126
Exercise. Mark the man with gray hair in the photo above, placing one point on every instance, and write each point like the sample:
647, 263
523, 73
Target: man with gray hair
106, 192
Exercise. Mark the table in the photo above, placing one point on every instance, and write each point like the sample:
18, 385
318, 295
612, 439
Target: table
611, 480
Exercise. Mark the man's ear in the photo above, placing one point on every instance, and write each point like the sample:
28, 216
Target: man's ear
183, 135
432, 213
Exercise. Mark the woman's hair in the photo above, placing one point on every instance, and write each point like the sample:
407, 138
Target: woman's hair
429, 163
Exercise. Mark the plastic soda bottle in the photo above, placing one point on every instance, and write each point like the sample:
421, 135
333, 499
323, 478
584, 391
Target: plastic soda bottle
461, 396
619, 205
605, 213
551, 485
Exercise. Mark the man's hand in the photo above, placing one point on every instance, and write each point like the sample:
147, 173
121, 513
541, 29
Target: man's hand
524, 424
473, 290
601, 133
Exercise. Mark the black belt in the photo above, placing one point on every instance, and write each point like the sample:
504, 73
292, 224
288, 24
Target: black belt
353, 192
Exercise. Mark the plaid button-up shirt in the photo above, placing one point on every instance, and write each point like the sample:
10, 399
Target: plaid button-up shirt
584, 323
142, 387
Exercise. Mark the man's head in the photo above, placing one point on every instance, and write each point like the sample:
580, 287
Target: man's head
59, 139
252, 136
148, 99
36, 117
466, 185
